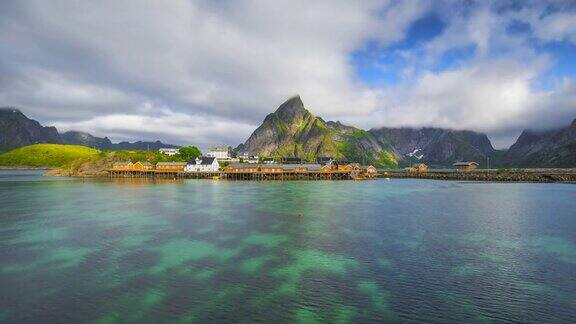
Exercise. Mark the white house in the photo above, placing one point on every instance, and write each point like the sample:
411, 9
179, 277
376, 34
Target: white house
203, 164
169, 151
221, 153
247, 158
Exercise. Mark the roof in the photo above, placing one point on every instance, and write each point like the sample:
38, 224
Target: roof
145, 163
171, 163
310, 166
204, 160
464, 163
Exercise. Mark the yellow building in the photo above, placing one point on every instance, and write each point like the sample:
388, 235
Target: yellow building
141, 166
417, 168
122, 166
370, 170
171, 166
465, 166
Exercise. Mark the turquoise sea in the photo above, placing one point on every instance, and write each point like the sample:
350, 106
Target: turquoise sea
208, 251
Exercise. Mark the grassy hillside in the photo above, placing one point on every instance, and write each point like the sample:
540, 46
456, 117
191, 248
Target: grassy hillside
96, 165
46, 155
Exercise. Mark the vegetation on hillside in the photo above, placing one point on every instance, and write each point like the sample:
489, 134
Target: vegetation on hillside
293, 131
188, 153
82, 160
46, 155
97, 165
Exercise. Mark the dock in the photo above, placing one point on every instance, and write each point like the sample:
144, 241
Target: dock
257, 172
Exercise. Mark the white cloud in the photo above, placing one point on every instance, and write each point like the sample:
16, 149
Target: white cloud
176, 128
236, 59
177, 70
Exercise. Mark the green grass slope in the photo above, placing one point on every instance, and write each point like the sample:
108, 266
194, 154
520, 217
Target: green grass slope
46, 155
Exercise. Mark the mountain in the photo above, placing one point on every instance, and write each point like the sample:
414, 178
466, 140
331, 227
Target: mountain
142, 146
85, 139
293, 131
552, 148
103, 143
437, 146
17, 130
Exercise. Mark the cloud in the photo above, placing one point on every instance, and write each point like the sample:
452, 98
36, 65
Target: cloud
231, 59
181, 69
498, 90
173, 127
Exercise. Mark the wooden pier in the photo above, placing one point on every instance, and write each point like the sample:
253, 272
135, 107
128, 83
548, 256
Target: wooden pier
287, 175
258, 173
162, 174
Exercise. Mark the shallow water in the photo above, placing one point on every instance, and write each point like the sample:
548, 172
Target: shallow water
202, 250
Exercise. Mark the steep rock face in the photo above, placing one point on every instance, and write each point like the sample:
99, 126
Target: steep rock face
553, 148
81, 138
439, 147
293, 131
17, 130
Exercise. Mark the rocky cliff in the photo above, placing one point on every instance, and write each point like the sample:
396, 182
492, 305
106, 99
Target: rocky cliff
293, 131
17, 130
437, 146
552, 148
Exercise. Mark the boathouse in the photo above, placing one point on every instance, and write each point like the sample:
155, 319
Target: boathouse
122, 166
170, 166
418, 168
203, 164
371, 171
465, 166
141, 166
308, 171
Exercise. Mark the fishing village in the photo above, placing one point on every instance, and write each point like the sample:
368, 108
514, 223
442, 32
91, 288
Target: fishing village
219, 164
201, 169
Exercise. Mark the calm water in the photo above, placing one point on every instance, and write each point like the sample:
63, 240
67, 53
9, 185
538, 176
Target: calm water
207, 251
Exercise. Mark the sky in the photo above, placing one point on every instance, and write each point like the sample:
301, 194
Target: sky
207, 72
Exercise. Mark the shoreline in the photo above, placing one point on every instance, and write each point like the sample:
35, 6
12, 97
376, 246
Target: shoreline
539, 176
23, 168
517, 175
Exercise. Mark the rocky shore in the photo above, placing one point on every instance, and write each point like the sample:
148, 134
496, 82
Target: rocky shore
540, 175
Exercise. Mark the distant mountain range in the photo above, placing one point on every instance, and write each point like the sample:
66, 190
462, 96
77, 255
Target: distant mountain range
17, 130
294, 131
553, 148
